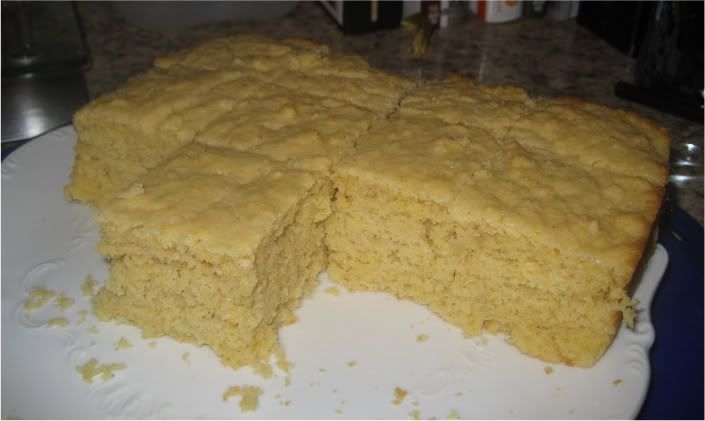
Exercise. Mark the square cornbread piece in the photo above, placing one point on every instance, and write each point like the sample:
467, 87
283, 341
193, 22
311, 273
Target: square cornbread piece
500, 233
215, 247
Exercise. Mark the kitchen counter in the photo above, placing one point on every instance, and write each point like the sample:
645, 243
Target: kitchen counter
545, 57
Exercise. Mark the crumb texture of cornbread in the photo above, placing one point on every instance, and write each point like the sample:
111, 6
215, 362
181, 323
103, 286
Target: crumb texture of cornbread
491, 233
217, 247
231, 173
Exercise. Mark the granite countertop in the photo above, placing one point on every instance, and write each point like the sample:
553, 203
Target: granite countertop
547, 58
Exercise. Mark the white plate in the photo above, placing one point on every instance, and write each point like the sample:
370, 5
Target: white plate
50, 243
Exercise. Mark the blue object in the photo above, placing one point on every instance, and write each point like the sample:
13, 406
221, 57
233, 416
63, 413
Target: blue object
676, 388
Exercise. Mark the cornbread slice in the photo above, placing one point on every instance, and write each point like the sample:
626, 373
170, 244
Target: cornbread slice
214, 246
493, 233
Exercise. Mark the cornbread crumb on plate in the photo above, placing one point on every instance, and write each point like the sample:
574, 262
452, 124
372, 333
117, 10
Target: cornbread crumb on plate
91, 369
421, 338
617, 382
38, 298
63, 302
399, 395
217, 247
548, 369
88, 286
415, 414
249, 396
122, 343
352, 363
263, 369
58, 322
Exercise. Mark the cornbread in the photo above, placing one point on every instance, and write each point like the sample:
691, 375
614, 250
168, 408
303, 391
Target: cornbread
229, 175
497, 233
124, 133
214, 246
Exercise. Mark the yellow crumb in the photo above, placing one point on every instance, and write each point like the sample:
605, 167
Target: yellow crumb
572, 411
548, 369
352, 363
263, 369
459, 394
58, 321
186, 357
399, 395
64, 302
415, 414
281, 361
38, 298
122, 344
83, 313
333, 291
152, 344
249, 400
617, 382
91, 369
422, 338
338, 411
88, 286
453, 415
322, 370
287, 403
93, 330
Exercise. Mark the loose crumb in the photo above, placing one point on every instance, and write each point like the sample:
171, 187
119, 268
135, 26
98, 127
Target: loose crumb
64, 302
338, 411
186, 356
352, 363
152, 344
399, 395
422, 338
91, 369
122, 343
88, 286
249, 400
281, 361
453, 415
572, 411
93, 330
264, 370
617, 382
38, 298
333, 291
548, 369
459, 394
58, 321
415, 414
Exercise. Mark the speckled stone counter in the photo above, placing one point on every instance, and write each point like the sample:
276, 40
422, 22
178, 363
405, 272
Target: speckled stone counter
547, 58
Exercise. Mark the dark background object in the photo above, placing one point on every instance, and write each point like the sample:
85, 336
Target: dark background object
620, 23
676, 388
43, 57
357, 17
666, 38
